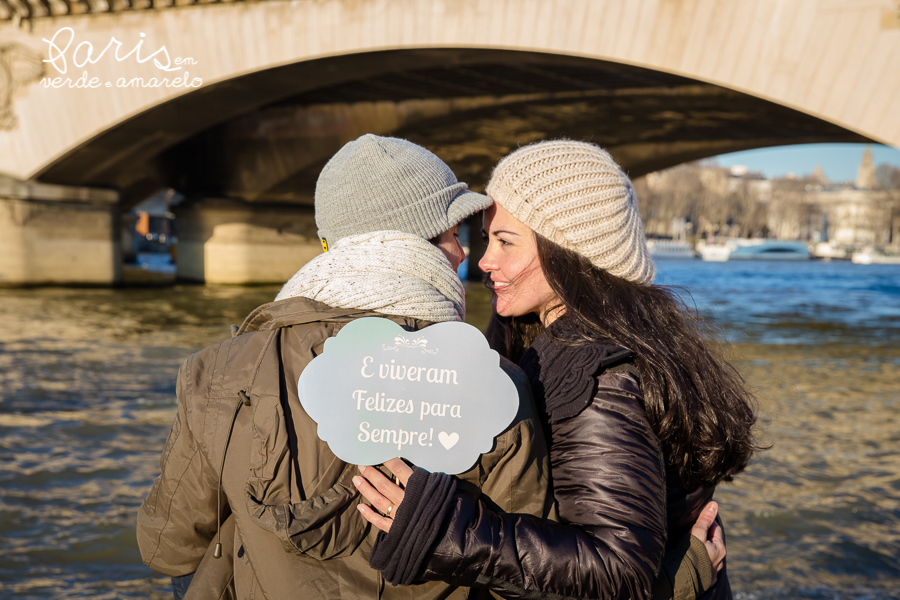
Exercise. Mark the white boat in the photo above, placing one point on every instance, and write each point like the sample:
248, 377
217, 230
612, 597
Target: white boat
670, 249
770, 250
875, 256
716, 252
832, 251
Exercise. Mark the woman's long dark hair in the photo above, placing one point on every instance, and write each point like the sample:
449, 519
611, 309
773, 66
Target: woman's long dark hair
696, 402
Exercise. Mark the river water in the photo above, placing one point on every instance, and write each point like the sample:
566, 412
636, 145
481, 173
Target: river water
87, 394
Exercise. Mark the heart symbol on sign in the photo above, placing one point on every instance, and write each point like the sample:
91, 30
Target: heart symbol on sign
448, 440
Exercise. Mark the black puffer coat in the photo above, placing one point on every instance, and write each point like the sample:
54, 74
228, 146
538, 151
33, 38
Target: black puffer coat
610, 487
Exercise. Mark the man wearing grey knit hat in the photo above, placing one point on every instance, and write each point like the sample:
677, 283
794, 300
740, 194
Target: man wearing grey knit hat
379, 201
250, 502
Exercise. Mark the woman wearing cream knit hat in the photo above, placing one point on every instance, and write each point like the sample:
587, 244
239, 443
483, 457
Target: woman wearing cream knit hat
624, 378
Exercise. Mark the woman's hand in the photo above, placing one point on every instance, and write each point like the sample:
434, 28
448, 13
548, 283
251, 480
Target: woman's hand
710, 533
383, 493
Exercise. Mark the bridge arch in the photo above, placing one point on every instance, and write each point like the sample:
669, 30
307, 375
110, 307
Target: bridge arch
256, 138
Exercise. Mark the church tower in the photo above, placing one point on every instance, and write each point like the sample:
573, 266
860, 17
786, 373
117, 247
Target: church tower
865, 175
818, 176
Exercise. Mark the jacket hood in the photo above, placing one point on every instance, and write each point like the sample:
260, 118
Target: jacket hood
294, 311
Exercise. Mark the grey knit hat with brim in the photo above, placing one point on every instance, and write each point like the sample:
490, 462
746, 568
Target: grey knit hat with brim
387, 184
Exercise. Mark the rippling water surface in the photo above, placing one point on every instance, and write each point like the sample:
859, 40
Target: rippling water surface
87, 394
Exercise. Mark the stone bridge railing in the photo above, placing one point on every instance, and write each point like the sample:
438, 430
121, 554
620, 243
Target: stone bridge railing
12, 10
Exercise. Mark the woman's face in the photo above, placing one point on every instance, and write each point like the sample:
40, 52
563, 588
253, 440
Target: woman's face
448, 243
511, 261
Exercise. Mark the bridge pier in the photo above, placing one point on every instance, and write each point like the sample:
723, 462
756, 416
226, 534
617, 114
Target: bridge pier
228, 241
52, 234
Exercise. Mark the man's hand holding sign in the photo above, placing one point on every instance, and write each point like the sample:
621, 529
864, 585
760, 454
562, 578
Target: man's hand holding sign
378, 392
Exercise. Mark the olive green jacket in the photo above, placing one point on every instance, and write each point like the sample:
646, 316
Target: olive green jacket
291, 527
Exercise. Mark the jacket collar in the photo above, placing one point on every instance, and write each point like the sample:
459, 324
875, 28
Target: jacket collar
562, 369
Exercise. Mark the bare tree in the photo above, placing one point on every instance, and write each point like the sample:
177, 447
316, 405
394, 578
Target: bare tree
887, 177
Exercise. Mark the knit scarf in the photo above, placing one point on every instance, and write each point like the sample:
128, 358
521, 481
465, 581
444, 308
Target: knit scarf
563, 377
390, 272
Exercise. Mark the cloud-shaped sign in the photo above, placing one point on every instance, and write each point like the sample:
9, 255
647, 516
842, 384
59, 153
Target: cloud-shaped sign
436, 397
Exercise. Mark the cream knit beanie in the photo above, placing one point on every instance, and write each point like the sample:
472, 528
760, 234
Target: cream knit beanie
575, 195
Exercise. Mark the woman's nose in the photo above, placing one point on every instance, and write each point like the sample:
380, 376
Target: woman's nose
486, 264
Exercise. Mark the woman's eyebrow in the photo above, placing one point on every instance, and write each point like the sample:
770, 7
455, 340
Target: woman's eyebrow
499, 231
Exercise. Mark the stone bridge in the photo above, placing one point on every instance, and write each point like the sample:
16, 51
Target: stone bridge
237, 105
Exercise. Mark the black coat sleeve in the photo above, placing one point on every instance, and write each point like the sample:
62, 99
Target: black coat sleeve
609, 485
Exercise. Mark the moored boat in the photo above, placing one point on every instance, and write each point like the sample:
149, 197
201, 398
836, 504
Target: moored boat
670, 249
832, 251
722, 250
876, 256
770, 250
715, 251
